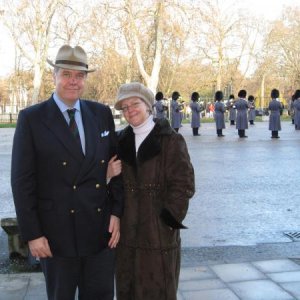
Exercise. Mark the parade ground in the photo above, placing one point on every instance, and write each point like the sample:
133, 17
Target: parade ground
243, 234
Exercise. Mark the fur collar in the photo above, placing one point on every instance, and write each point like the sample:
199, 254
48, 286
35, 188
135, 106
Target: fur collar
149, 148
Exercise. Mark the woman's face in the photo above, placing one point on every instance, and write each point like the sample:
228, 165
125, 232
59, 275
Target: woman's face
135, 111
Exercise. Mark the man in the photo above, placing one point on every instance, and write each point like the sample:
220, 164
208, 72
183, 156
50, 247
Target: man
241, 119
65, 209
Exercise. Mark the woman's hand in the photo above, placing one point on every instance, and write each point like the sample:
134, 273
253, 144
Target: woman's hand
114, 229
114, 168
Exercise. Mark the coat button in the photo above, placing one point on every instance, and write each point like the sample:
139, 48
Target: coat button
97, 186
74, 187
98, 209
72, 211
102, 161
64, 163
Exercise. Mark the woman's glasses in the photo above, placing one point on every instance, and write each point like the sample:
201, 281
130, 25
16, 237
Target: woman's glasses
126, 108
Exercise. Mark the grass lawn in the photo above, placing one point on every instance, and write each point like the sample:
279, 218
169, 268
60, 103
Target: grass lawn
7, 125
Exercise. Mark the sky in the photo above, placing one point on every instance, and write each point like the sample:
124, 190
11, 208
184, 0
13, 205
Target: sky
267, 9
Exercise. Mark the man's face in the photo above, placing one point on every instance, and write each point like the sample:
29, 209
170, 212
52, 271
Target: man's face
69, 84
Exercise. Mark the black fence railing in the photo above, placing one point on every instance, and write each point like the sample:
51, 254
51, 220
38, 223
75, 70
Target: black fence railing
8, 118
9, 113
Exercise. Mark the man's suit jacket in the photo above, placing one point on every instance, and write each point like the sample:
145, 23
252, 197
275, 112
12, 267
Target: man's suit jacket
58, 192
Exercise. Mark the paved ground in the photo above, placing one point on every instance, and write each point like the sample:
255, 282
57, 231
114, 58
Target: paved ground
235, 247
258, 280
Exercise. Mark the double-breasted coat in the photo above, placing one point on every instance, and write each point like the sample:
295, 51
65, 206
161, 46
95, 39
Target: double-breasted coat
241, 116
274, 119
219, 115
196, 109
58, 192
158, 183
176, 114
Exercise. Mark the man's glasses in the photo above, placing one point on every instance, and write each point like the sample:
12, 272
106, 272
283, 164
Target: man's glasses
125, 108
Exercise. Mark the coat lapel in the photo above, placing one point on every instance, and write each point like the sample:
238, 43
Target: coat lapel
55, 121
91, 138
149, 148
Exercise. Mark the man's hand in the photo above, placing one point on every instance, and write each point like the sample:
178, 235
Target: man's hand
40, 248
114, 167
114, 229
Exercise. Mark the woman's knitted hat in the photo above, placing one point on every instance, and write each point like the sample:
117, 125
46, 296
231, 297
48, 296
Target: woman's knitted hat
134, 89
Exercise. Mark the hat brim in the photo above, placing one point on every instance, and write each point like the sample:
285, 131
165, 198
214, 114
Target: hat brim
70, 67
118, 104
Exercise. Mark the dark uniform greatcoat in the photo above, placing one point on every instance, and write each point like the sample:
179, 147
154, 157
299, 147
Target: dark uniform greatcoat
219, 115
196, 109
160, 109
232, 110
251, 112
297, 113
158, 183
241, 117
274, 120
176, 115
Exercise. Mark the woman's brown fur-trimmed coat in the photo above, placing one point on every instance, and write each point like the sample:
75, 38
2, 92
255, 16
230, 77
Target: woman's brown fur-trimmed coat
158, 183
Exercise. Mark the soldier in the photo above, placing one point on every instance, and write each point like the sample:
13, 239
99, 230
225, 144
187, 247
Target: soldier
219, 113
251, 112
297, 109
159, 106
291, 110
274, 107
241, 118
196, 109
232, 109
176, 109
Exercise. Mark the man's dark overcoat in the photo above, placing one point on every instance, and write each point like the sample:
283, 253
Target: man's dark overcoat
158, 183
59, 193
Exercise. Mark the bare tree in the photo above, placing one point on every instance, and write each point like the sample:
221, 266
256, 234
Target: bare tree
278, 63
227, 39
147, 29
151, 78
29, 23
283, 37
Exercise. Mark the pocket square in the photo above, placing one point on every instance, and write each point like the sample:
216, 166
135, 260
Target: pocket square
104, 133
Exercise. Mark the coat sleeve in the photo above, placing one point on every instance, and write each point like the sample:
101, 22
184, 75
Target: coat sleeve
179, 180
115, 186
23, 180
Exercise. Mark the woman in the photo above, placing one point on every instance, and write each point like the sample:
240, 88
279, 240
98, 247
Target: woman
176, 109
219, 113
196, 109
274, 120
251, 112
158, 183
